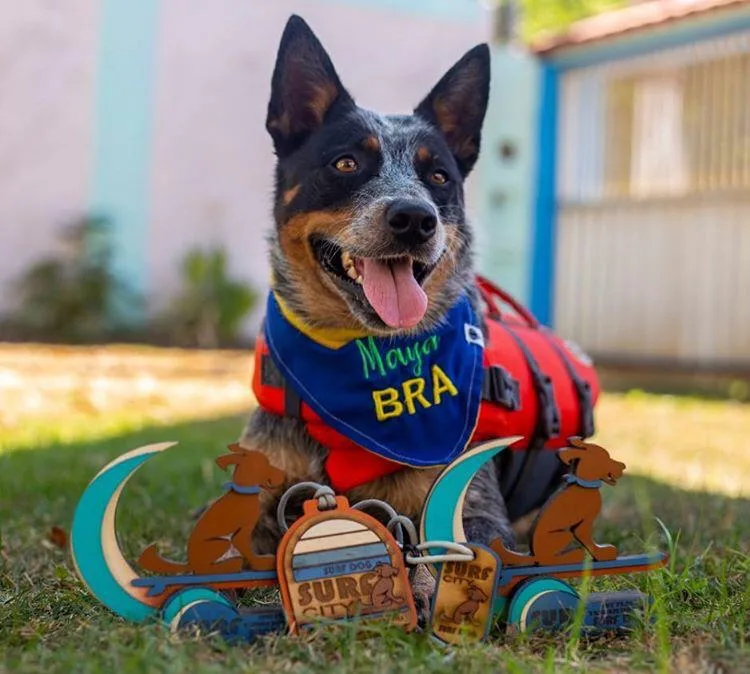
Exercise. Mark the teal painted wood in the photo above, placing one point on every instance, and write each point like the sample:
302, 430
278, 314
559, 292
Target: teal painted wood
531, 589
468, 10
447, 494
179, 601
549, 611
507, 184
86, 540
671, 34
500, 607
123, 120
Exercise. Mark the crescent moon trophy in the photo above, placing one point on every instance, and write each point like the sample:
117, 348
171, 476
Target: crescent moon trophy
449, 491
525, 588
93, 542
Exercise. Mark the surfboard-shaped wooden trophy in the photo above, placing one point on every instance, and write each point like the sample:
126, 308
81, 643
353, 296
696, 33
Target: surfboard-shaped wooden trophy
190, 593
530, 591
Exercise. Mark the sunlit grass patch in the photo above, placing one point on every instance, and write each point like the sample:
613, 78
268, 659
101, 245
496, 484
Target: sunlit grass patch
689, 442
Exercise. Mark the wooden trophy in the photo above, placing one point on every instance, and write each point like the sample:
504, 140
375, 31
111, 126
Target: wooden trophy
226, 525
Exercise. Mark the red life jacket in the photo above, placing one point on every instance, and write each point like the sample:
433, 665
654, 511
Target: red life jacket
535, 385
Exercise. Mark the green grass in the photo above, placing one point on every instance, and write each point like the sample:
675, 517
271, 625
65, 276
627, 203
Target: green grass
49, 623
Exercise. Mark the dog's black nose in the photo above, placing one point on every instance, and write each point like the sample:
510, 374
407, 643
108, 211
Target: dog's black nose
412, 221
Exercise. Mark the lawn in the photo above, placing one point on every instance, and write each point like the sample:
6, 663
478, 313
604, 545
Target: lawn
65, 412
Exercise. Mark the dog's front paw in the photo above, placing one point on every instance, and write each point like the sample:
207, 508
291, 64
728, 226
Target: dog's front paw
423, 588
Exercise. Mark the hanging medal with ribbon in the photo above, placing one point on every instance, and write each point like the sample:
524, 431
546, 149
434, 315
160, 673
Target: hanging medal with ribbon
338, 563
462, 608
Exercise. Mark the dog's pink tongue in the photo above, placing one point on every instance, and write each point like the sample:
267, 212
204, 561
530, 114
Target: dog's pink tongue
393, 291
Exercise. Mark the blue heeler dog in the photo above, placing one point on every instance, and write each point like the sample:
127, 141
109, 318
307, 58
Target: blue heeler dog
371, 235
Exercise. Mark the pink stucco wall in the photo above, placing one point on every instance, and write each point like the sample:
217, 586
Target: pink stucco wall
211, 160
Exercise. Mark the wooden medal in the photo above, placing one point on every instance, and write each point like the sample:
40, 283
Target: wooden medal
341, 564
462, 608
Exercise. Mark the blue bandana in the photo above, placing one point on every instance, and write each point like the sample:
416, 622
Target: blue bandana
413, 399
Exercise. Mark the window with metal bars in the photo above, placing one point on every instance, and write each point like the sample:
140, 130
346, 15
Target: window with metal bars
672, 125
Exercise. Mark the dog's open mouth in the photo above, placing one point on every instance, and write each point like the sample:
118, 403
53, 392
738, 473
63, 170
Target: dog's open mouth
610, 479
392, 285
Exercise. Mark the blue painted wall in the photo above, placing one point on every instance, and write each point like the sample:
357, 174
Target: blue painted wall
123, 115
542, 268
507, 189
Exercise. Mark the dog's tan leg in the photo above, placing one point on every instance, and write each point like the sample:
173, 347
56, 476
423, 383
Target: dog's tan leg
288, 446
522, 526
423, 587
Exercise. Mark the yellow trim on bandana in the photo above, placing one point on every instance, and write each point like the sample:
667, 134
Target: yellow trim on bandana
331, 338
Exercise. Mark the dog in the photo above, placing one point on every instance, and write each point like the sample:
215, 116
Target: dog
569, 515
228, 522
382, 594
466, 610
370, 237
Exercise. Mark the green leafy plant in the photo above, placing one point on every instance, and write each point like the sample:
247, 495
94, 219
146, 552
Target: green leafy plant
210, 309
539, 17
73, 296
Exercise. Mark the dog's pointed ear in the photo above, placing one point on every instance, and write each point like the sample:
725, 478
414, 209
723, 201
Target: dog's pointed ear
236, 447
226, 460
457, 105
304, 89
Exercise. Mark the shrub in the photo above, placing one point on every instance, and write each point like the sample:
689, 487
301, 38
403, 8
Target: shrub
73, 296
210, 309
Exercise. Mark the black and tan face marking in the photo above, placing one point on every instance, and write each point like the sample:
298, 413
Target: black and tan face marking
370, 224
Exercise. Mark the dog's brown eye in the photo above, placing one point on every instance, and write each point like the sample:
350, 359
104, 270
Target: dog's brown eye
439, 177
346, 164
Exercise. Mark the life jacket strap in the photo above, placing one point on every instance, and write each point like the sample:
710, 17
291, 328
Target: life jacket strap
270, 375
583, 389
548, 423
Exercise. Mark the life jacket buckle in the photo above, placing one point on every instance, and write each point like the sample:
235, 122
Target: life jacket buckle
500, 387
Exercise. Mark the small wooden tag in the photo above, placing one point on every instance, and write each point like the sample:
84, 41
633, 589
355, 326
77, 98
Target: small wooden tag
342, 564
462, 608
